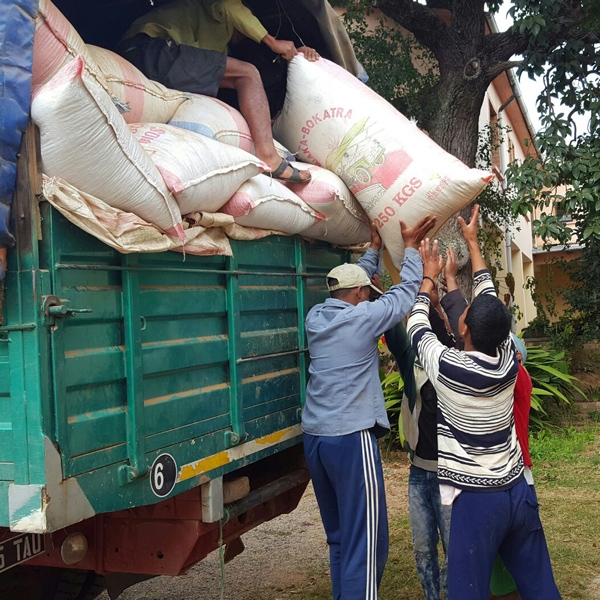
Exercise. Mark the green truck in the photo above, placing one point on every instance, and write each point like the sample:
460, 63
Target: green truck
150, 405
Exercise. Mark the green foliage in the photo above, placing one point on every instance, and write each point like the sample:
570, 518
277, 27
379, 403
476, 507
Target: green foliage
393, 387
567, 169
400, 70
549, 371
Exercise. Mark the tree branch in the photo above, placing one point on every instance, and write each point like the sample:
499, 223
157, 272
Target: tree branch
498, 68
421, 21
504, 45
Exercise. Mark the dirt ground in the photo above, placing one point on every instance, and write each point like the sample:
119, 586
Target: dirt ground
282, 557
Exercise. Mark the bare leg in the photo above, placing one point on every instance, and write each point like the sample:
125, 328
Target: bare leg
254, 106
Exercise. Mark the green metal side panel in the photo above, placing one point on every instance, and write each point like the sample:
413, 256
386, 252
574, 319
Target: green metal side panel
204, 359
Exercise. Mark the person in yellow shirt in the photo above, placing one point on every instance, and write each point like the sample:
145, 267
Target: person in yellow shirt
183, 45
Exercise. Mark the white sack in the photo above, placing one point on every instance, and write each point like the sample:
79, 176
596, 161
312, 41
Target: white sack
201, 173
394, 170
86, 142
344, 220
55, 43
267, 204
215, 119
149, 101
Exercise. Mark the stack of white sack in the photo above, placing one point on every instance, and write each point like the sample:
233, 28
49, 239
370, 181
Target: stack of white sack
394, 170
201, 173
344, 221
86, 142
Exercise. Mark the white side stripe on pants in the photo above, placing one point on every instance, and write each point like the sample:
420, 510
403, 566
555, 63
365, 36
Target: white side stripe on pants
372, 517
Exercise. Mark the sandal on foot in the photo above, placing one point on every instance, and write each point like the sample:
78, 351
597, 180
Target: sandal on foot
293, 178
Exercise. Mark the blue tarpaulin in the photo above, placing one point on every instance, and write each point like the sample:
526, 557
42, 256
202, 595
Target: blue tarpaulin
17, 26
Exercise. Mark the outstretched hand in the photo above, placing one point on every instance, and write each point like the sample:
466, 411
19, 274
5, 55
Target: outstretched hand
433, 261
413, 236
451, 270
376, 241
470, 231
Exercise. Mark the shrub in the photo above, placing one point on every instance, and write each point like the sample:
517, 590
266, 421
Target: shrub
549, 371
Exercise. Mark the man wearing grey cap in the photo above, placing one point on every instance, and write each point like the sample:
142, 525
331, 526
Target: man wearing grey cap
345, 411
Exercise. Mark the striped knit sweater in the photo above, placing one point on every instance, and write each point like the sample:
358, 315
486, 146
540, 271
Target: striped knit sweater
477, 443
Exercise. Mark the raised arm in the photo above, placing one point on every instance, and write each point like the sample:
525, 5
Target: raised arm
482, 280
453, 302
369, 261
469, 232
394, 305
425, 343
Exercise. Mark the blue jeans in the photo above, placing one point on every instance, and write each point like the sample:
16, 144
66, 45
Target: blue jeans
429, 520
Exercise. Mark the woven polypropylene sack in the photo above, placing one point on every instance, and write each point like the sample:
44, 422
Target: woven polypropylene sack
148, 101
201, 173
344, 220
265, 203
215, 119
55, 43
86, 142
395, 171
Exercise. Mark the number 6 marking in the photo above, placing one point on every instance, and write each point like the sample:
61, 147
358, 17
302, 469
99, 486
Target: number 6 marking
163, 475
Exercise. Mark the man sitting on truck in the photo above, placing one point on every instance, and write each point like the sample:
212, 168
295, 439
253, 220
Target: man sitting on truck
345, 411
183, 45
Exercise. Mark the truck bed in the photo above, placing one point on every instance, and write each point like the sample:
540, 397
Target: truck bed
179, 370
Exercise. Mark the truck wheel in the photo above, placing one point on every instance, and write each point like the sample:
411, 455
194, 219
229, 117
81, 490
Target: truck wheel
78, 585
49, 583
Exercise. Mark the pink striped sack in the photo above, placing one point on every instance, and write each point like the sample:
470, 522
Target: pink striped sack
395, 171
266, 203
85, 141
55, 43
200, 172
344, 222
148, 101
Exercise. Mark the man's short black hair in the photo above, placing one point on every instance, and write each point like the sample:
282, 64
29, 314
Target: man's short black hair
489, 323
337, 294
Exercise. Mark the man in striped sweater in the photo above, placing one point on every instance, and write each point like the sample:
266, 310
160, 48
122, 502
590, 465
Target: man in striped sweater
480, 465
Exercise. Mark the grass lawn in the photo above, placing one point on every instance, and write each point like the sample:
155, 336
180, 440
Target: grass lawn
567, 480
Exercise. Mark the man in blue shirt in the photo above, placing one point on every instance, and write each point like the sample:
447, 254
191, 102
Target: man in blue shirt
345, 412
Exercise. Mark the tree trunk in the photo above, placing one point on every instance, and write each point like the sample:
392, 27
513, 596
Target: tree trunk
455, 125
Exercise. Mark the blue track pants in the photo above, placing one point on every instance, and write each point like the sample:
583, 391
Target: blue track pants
348, 481
506, 523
